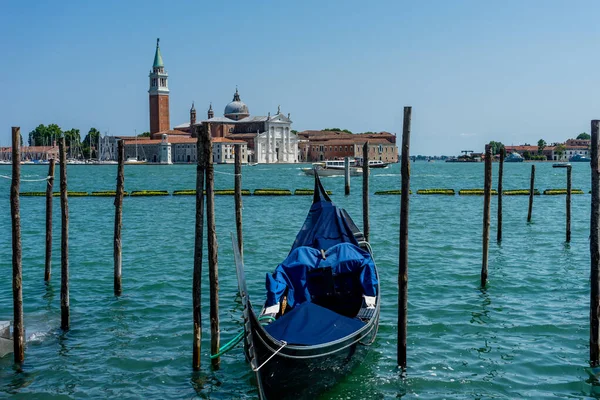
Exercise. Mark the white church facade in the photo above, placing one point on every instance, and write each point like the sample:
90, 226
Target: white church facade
270, 139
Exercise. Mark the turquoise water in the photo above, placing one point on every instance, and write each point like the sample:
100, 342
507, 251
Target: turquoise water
525, 335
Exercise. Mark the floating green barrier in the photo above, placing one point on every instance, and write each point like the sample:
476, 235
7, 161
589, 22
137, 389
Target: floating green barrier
272, 192
185, 192
307, 192
449, 192
149, 193
475, 192
520, 192
107, 193
391, 192
72, 194
32, 194
230, 192
562, 191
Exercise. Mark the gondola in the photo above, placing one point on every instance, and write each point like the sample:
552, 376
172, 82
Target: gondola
322, 307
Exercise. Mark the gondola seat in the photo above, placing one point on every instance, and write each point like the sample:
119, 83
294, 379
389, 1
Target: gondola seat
309, 324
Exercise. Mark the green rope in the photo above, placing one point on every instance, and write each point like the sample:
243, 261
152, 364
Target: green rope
238, 338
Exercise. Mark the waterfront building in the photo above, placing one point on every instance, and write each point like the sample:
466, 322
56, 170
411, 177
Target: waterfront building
181, 150
269, 139
331, 145
31, 153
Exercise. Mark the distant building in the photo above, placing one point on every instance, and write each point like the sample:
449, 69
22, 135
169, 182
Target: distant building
270, 139
31, 153
331, 145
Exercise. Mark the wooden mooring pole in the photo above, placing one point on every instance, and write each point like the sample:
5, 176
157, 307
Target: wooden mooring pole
238, 198
346, 176
595, 249
365, 192
531, 193
64, 240
487, 194
49, 188
117, 245
500, 175
198, 244
17, 254
213, 264
403, 259
568, 227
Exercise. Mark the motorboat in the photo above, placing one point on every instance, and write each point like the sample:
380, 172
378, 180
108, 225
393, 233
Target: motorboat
580, 158
332, 168
514, 157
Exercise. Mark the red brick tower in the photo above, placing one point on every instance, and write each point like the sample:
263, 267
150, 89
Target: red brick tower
159, 95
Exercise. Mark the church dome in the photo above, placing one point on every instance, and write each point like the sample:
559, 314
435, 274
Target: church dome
237, 109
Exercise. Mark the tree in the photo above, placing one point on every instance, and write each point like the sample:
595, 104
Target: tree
44, 135
583, 136
145, 134
526, 155
559, 150
86, 146
73, 141
496, 147
337, 130
541, 146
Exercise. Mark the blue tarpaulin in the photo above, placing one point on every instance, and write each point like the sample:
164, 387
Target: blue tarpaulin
310, 324
292, 273
324, 227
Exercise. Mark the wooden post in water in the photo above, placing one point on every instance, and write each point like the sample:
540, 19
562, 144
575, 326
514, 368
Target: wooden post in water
49, 188
213, 264
365, 193
17, 253
568, 228
198, 244
403, 259
346, 176
487, 194
500, 175
117, 247
531, 193
595, 249
64, 240
238, 198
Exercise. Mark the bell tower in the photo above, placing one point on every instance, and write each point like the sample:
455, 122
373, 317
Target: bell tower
159, 94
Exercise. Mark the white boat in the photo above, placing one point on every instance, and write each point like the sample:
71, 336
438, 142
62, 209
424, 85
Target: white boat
331, 168
133, 160
377, 164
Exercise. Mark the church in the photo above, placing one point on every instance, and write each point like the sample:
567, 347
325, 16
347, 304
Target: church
270, 138
266, 139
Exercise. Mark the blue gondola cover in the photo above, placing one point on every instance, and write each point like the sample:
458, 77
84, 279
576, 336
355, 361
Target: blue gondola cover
309, 324
325, 226
292, 273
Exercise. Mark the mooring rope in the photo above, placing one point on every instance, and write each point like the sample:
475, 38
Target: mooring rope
272, 355
238, 338
227, 173
27, 180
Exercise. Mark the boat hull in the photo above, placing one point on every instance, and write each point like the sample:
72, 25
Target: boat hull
302, 372
332, 172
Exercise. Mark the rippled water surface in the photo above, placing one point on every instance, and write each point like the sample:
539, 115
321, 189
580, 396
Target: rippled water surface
524, 336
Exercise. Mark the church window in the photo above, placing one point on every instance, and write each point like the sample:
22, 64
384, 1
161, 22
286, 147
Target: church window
335, 148
345, 148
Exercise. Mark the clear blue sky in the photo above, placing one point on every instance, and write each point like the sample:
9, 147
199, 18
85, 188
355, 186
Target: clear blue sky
474, 71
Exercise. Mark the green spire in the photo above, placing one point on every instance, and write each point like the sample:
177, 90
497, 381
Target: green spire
158, 62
